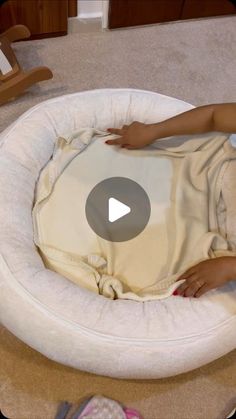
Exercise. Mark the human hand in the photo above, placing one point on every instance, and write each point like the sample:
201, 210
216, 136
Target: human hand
207, 275
135, 135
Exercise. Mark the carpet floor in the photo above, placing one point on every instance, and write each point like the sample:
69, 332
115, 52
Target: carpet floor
191, 60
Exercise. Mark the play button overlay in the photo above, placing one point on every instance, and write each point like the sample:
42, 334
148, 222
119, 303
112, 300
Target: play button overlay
117, 209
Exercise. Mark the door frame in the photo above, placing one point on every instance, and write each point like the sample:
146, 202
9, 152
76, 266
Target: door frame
105, 8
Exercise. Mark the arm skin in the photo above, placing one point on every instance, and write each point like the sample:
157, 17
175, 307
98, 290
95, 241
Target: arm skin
215, 117
218, 117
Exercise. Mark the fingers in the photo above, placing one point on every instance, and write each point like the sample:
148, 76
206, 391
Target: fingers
189, 287
187, 274
202, 290
117, 141
117, 131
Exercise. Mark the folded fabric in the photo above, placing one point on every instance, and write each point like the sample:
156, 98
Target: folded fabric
183, 178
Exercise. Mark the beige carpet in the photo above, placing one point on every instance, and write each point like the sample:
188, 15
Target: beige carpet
191, 60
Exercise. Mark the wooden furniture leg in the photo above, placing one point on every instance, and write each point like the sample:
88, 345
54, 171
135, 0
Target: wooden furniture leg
23, 81
13, 80
16, 32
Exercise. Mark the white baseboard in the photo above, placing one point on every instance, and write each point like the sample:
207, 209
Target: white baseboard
75, 24
93, 9
90, 15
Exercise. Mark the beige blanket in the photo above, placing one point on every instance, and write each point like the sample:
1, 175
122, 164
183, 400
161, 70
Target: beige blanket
183, 178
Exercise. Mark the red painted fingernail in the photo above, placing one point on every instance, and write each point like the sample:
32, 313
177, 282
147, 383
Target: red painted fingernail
175, 292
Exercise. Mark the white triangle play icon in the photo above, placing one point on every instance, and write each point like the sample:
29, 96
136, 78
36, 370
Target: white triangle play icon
116, 209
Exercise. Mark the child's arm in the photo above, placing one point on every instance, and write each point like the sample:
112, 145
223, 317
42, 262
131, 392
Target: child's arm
214, 117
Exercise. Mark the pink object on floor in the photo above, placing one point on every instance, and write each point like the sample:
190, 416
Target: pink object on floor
100, 407
132, 413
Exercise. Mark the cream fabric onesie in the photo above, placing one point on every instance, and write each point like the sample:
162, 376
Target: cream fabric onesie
183, 178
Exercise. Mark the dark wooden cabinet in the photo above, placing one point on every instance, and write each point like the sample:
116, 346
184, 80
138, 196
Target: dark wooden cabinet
206, 8
137, 12
44, 18
124, 13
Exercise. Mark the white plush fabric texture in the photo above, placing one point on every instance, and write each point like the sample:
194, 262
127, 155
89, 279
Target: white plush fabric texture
123, 339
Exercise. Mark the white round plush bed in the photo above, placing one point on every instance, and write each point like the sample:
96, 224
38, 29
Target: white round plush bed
67, 323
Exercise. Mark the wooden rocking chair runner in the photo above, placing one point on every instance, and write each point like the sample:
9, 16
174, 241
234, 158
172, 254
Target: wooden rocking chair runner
13, 80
